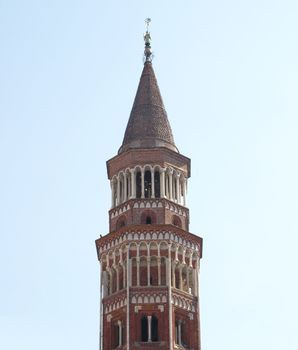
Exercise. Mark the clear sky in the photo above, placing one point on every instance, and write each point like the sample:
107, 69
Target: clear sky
228, 75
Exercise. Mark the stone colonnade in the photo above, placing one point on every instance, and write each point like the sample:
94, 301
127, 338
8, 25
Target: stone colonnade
149, 182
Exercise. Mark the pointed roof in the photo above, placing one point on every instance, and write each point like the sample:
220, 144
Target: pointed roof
148, 125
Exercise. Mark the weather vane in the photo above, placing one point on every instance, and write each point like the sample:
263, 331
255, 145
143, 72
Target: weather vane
147, 39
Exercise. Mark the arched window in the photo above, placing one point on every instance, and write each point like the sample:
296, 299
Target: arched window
183, 334
115, 336
143, 271
153, 271
154, 328
157, 184
176, 221
138, 184
120, 277
177, 277
113, 281
147, 184
121, 222
148, 217
144, 329
177, 330
184, 281
134, 272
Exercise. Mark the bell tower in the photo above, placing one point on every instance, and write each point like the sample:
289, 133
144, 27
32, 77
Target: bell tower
149, 260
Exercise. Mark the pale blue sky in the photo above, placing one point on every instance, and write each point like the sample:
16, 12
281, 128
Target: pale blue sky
228, 74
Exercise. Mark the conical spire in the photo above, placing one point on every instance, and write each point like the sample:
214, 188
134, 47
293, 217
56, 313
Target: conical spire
148, 125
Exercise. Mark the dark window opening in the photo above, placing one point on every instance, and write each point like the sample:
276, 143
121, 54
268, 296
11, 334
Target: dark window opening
177, 279
144, 329
151, 281
183, 334
121, 222
154, 328
147, 184
121, 192
176, 333
148, 220
127, 188
138, 184
157, 184
115, 336
176, 221
143, 272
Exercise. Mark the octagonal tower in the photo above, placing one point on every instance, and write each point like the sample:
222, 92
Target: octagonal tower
149, 260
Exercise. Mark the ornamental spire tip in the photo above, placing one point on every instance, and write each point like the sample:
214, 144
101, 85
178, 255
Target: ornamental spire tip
147, 39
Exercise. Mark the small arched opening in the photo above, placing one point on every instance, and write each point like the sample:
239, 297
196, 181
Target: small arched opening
138, 184
154, 328
147, 184
153, 271
144, 329
176, 221
121, 222
157, 184
148, 217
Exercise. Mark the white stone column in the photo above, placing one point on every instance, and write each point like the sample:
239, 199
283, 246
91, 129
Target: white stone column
180, 278
179, 333
117, 281
111, 282
120, 333
124, 276
128, 283
143, 182
152, 184
138, 271
197, 278
125, 188
174, 275
118, 190
184, 190
187, 279
178, 189
129, 186
133, 183
148, 270
162, 182
171, 185
112, 192
169, 272
149, 328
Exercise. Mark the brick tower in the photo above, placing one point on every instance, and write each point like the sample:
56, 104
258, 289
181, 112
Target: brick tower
149, 261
